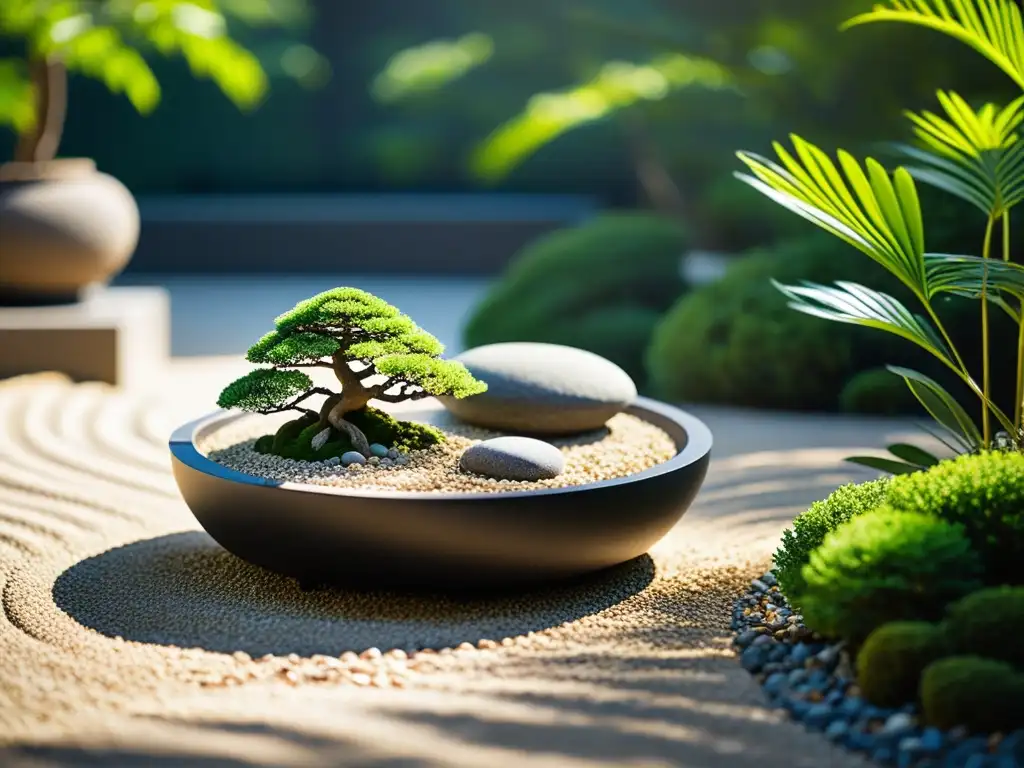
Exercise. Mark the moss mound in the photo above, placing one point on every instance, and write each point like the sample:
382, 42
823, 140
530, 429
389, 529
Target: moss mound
811, 527
293, 440
885, 565
600, 286
985, 494
981, 694
891, 661
989, 623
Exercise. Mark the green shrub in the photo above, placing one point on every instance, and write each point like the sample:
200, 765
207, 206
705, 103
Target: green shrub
983, 695
985, 494
890, 663
989, 623
885, 565
810, 528
599, 286
877, 391
293, 439
736, 342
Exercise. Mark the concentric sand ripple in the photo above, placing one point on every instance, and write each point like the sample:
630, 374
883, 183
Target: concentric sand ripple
126, 630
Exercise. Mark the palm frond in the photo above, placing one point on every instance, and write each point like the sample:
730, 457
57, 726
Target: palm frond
862, 205
941, 405
975, 155
854, 304
994, 28
965, 276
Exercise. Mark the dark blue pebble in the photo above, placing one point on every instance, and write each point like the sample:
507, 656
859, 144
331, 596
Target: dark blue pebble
797, 707
819, 716
884, 755
1004, 761
860, 741
797, 676
819, 680
932, 740
834, 698
978, 761
743, 639
957, 757
1013, 745
775, 684
852, 707
871, 712
837, 730
801, 652
754, 658
779, 652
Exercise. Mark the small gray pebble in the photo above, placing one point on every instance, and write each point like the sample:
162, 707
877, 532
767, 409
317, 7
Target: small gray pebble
386, 462
373, 460
352, 457
393, 453
402, 461
759, 586
513, 458
333, 461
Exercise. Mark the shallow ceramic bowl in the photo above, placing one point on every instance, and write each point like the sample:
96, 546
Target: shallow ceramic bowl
416, 540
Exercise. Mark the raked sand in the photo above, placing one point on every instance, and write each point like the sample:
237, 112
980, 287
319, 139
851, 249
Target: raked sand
128, 637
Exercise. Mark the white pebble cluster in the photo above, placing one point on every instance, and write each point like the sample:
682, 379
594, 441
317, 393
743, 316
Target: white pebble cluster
628, 445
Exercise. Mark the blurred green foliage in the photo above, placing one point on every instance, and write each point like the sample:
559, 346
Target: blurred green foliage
108, 40
601, 286
568, 79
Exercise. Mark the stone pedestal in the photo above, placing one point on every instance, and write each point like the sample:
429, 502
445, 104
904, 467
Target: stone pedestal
119, 336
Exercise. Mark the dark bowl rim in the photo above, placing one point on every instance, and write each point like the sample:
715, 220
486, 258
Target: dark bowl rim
697, 447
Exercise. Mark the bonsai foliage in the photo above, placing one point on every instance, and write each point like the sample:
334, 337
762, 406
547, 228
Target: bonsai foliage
358, 337
974, 154
106, 40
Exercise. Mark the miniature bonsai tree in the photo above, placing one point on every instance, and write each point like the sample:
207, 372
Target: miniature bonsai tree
359, 337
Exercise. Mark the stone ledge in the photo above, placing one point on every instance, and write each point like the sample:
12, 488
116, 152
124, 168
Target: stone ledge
118, 336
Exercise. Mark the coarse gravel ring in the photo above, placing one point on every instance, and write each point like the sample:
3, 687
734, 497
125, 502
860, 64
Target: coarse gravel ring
462, 541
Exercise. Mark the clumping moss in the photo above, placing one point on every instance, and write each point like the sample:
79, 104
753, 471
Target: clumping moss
810, 528
982, 492
982, 695
890, 663
990, 623
294, 438
885, 565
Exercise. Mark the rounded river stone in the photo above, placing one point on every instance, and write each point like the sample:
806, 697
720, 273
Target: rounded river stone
513, 458
542, 389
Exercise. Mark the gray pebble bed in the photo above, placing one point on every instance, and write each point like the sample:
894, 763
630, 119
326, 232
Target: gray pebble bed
813, 680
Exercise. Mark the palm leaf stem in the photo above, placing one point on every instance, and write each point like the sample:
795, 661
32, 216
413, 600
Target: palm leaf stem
986, 421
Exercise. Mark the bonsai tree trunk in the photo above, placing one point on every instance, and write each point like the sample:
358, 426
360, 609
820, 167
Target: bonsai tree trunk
50, 82
353, 397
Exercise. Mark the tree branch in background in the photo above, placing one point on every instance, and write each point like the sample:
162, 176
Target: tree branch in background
50, 82
655, 181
